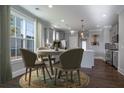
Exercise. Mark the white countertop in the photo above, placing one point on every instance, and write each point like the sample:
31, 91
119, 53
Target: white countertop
89, 50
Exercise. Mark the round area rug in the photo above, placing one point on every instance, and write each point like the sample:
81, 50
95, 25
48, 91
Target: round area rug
38, 82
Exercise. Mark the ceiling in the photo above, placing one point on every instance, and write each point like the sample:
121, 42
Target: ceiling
94, 16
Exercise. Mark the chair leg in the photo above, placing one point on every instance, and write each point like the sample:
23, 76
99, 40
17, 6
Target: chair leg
48, 72
55, 75
29, 76
66, 76
54, 61
44, 74
37, 72
51, 66
71, 76
26, 74
78, 72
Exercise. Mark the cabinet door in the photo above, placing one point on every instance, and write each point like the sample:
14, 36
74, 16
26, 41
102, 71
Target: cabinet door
108, 56
115, 59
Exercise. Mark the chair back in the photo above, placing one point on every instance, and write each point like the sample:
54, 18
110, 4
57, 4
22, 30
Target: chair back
72, 58
42, 55
29, 57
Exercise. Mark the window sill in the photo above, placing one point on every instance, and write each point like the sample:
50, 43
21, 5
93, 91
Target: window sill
16, 61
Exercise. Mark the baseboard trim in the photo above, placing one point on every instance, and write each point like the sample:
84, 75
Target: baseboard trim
102, 58
121, 71
18, 72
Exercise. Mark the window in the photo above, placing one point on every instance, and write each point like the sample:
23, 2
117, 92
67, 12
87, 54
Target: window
29, 35
57, 35
84, 45
51, 35
21, 34
54, 33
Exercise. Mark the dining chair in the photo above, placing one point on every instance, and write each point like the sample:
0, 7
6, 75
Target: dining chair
69, 61
31, 62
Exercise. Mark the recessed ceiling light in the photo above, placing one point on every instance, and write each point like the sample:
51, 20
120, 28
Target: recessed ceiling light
55, 26
104, 15
62, 20
50, 6
72, 31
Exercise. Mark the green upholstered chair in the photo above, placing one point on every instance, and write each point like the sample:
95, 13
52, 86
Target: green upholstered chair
69, 61
31, 62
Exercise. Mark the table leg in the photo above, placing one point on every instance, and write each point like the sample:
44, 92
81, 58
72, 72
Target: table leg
51, 66
59, 75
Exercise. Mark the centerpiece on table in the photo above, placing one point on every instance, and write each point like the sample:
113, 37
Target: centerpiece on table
56, 45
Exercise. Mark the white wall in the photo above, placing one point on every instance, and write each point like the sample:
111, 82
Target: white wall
73, 40
107, 35
104, 37
121, 44
98, 49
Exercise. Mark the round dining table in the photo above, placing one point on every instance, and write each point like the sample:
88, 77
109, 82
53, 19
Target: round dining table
49, 53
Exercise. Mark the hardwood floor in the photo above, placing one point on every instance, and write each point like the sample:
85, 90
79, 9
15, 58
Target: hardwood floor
102, 75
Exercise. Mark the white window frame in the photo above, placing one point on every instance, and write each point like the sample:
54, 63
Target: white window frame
17, 13
57, 36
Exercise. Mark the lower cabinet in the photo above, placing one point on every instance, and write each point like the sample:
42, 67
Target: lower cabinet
115, 59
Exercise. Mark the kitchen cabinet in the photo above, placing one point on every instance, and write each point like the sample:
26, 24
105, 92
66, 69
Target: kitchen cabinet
115, 59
